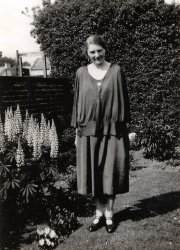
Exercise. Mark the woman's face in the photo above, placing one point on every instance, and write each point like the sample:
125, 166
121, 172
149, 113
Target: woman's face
96, 54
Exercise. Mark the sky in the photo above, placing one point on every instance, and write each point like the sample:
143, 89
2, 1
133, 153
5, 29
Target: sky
15, 27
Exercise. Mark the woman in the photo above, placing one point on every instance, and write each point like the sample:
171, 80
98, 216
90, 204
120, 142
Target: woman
100, 114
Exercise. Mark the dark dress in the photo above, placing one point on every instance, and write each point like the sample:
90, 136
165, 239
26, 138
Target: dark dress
100, 113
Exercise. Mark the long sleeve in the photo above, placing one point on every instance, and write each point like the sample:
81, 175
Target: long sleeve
74, 110
124, 99
127, 115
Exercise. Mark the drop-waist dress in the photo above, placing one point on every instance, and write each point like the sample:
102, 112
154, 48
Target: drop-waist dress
100, 113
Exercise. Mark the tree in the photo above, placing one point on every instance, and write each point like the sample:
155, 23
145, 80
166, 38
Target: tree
9, 60
142, 36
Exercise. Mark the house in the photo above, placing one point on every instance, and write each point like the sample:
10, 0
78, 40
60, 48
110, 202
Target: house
37, 69
6, 70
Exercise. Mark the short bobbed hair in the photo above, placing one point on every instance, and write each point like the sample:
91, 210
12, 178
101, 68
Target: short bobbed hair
93, 39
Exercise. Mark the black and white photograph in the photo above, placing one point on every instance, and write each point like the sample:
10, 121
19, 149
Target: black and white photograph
89, 125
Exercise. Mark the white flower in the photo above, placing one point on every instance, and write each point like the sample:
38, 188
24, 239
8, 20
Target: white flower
52, 244
132, 136
41, 242
48, 242
46, 230
53, 234
40, 232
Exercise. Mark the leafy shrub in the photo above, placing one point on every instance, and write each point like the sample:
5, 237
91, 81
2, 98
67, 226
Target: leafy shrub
158, 141
141, 35
33, 173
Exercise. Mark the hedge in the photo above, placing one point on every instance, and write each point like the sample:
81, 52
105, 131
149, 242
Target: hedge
141, 35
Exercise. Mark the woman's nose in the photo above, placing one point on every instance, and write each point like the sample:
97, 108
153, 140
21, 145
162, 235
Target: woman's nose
96, 54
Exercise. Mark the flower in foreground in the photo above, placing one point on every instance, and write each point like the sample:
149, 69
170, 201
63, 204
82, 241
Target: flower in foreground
46, 230
53, 234
20, 155
41, 242
48, 242
40, 232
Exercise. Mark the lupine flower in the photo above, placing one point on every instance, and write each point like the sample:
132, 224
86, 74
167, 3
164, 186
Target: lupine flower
30, 131
26, 125
1, 125
1, 139
37, 144
35, 141
19, 155
53, 141
9, 124
18, 120
54, 147
42, 129
1, 134
46, 136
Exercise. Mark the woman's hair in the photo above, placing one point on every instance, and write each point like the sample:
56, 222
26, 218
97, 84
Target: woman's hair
93, 39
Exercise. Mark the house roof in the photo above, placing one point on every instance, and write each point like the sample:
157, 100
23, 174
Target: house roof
12, 70
38, 64
2, 69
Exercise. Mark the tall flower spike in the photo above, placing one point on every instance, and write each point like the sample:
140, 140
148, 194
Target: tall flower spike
11, 126
6, 123
43, 129
18, 120
2, 140
54, 147
37, 151
1, 124
19, 155
26, 125
53, 141
30, 131
46, 139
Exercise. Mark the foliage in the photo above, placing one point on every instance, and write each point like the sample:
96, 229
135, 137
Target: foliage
141, 35
47, 238
9, 60
34, 174
157, 141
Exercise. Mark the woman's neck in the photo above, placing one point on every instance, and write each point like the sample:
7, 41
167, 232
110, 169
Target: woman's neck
102, 66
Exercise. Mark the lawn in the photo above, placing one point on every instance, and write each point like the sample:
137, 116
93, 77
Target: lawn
148, 217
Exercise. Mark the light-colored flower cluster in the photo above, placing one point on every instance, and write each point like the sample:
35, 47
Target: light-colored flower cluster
132, 137
36, 135
18, 120
47, 238
1, 134
19, 155
9, 124
37, 144
53, 141
26, 125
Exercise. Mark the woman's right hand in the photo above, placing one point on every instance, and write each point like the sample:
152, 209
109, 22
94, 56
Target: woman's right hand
75, 142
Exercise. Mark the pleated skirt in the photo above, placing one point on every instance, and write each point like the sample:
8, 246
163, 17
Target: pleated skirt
102, 165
